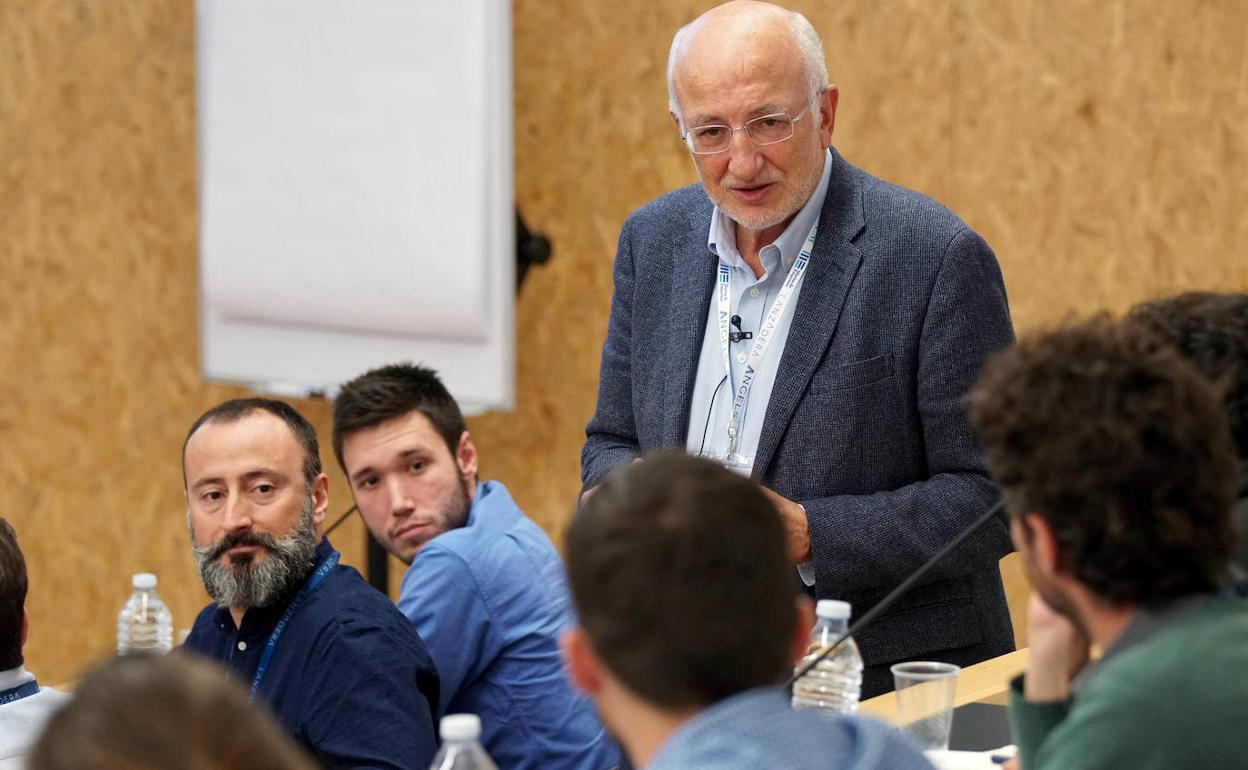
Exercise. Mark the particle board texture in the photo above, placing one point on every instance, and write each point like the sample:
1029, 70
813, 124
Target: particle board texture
1098, 146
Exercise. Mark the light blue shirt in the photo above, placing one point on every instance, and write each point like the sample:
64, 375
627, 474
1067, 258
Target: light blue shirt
489, 600
757, 729
710, 406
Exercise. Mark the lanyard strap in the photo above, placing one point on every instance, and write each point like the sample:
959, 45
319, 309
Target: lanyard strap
330, 562
765, 333
24, 690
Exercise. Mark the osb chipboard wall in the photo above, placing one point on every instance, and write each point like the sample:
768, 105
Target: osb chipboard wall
1099, 146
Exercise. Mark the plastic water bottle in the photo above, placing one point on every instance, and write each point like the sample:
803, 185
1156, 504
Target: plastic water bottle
461, 749
834, 684
144, 623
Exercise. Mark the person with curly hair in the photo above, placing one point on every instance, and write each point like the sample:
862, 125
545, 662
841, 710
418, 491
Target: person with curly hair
1119, 473
1211, 331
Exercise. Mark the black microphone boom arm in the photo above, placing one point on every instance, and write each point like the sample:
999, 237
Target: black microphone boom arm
895, 594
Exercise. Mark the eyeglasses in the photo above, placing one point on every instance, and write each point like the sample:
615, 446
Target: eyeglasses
762, 131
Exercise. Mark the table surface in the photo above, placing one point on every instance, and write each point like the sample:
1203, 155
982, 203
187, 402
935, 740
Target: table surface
986, 682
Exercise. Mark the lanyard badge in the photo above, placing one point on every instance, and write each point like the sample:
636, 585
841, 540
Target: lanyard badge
733, 459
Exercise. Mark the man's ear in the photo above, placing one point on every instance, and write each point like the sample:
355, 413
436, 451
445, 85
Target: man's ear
579, 659
1046, 552
320, 499
25, 625
828, 101
801, 629
466, 457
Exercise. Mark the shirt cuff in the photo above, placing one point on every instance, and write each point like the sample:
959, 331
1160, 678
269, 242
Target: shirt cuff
806, 570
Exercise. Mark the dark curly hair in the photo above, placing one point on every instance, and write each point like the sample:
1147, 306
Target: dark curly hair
1123, 448
1211, 331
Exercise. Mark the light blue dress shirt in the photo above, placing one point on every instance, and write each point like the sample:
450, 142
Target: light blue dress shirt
710, 406
757, 729
489, 599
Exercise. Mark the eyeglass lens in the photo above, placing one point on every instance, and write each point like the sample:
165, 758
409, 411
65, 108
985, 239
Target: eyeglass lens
767, 129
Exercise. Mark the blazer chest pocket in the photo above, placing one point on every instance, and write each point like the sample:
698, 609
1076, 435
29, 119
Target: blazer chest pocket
854, 375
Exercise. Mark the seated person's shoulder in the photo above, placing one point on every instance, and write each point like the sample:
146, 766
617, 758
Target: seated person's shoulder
356, 616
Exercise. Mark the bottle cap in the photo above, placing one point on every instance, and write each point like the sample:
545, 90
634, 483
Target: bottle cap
460, 727
833, 609
144, 581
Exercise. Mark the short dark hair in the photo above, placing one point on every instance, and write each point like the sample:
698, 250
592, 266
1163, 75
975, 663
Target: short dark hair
237, 409
681, 579
1211, 331
1123, 449
392, 391
13, 586
163, 711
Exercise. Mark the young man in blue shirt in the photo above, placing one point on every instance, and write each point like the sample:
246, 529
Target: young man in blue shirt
485, 587
343, 671
689, 621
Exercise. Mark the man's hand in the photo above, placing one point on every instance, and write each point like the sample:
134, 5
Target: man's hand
1058, 652
590, 492
795, 526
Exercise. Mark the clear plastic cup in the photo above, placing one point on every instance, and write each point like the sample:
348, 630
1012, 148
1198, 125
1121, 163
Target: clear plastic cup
925, 693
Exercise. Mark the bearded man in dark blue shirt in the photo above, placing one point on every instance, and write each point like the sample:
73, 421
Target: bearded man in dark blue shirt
343, 670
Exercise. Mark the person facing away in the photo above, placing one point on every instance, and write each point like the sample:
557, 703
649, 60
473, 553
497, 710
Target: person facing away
1119, 476
484, 586
688, 621
1211, 331
344, 672
163, 712
815, 328
24, 706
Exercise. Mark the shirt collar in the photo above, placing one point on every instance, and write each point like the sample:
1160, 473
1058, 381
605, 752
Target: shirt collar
495, 502
721, 239
14, 677
719, 717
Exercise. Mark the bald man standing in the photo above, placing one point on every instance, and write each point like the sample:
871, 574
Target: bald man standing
816, 328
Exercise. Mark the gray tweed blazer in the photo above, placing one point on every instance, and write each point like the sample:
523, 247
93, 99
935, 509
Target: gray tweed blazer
866, 426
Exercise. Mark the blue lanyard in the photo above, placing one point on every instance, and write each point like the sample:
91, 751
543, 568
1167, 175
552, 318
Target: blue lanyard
271, 645
21, 691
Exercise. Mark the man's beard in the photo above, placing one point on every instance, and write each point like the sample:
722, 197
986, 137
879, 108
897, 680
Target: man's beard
259, 583
799, 191
452, 515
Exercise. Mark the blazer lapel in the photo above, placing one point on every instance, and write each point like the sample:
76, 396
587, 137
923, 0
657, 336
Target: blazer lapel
833, 265
693, 279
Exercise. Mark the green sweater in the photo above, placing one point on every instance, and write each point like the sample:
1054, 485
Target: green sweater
1177, 699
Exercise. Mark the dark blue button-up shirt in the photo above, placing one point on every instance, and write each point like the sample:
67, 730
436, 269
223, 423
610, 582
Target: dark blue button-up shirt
349, 678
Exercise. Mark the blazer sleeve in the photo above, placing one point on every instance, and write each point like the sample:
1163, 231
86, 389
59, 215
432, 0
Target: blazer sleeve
611, 435
863, 542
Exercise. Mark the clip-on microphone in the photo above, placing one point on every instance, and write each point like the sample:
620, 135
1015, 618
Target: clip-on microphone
739, 335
